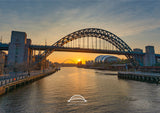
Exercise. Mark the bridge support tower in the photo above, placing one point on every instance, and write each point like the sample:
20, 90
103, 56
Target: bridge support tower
149, 57
19, 52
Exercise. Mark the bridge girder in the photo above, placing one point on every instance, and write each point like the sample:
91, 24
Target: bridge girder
98, 33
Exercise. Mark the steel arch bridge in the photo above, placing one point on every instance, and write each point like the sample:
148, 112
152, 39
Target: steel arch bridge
68, 60
96, 33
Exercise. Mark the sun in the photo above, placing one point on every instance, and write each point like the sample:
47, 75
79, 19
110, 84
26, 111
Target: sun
79, 60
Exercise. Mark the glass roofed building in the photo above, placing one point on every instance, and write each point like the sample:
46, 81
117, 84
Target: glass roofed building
106, 59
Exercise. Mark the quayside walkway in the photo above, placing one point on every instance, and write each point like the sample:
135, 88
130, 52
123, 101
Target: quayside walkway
140, 76
8, 83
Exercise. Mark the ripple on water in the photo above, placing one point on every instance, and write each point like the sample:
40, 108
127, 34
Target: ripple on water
104, 93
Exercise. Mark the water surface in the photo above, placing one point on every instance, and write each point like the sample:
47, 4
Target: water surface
104, 94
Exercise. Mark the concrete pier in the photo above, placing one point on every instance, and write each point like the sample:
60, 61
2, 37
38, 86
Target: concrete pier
140, 76
12, 83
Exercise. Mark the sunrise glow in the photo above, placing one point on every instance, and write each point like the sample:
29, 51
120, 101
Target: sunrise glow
79, 60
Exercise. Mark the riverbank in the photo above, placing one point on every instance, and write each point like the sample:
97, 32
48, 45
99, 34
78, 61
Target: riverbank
11, 83
137, 76
51, 94
110, 68
140, 76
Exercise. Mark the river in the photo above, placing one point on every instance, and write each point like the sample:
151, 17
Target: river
104, 94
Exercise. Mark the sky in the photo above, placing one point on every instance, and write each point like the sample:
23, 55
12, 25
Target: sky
137, 22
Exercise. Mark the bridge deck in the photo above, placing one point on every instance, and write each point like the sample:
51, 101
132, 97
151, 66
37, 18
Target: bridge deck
84, 50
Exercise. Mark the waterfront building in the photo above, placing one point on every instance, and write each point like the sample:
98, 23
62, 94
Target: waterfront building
106, 59
139, 58
120, 67
2, 62
89, 62
138, 50
41, 65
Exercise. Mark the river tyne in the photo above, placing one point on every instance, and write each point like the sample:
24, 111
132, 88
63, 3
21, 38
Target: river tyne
104, 94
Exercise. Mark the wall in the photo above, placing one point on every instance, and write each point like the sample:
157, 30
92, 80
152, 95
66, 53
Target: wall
16, 53
149, 57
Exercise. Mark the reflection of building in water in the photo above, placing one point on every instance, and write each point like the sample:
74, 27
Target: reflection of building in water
2, 62
106, 59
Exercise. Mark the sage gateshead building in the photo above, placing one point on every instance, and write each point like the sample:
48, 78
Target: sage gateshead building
106, 59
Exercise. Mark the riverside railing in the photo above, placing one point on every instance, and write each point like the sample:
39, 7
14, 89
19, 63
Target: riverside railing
140, 73
6, 79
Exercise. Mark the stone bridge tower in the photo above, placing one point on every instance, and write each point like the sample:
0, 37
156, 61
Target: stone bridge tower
19, 52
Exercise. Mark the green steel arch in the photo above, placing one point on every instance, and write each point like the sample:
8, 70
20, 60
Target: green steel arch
94, 32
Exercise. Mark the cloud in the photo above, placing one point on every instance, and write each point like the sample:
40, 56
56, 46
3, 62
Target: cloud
55, 19
135, 21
